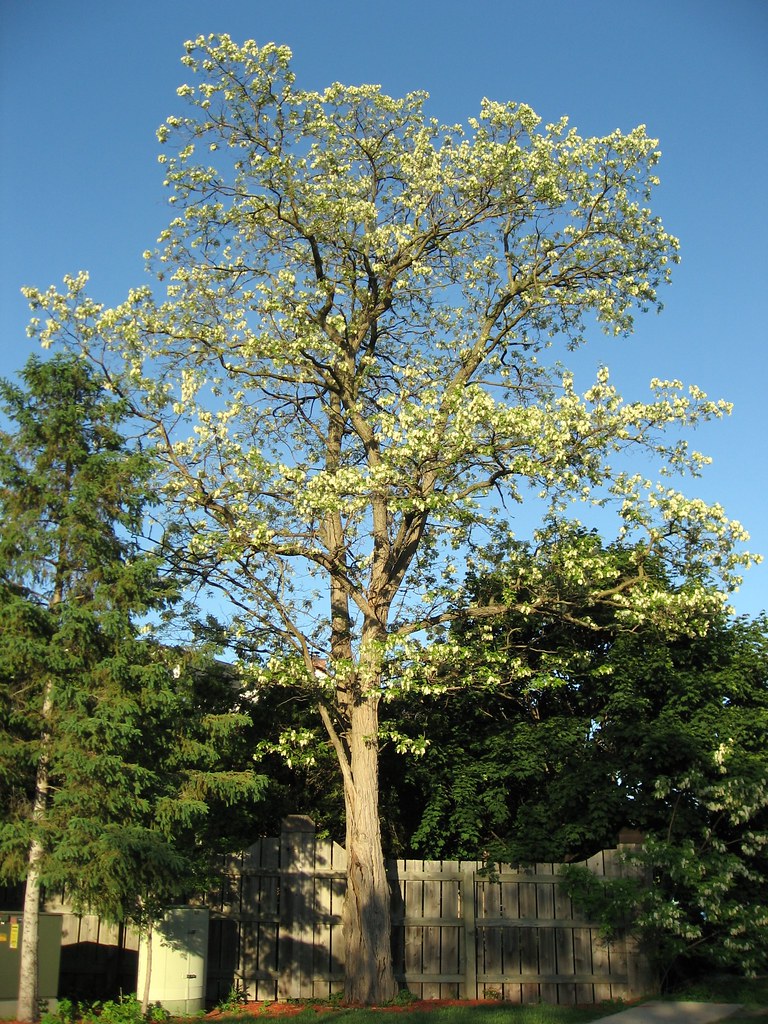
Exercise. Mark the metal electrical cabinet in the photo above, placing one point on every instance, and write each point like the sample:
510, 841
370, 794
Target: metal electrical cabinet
179, 956
49, 957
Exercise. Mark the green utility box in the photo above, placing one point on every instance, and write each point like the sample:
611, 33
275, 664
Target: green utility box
49, 957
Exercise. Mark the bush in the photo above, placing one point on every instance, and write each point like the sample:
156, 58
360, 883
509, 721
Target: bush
125, 1010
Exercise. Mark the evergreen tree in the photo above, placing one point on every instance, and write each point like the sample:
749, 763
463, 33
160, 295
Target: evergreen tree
110, 757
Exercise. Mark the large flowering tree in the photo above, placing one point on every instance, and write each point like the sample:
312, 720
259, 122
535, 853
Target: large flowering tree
343, 376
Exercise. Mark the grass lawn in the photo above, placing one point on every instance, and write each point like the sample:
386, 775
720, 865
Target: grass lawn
496, 1013
751, 993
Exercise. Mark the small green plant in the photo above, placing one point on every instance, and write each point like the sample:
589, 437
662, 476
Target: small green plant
66, 1013
404, 998
125, 1010
157, 1014
234, 1001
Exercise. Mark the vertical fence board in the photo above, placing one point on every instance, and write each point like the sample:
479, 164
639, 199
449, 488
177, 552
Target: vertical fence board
223, 958
489, 906
509, 908
600, 865
529, 953
616, 951
566, 991
582, 963
545, 911
323, 965
430, 945
450, 962
601, 965
397, 909
468, 895
414, 909
338, 888
321, 934
247, 932
267, 930
297, 862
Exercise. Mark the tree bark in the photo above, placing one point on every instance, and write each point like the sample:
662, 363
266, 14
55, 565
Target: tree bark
369, 976
27, 1008
366, 919
148, 975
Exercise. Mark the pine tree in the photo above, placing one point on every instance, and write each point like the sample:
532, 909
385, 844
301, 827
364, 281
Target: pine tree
110, 746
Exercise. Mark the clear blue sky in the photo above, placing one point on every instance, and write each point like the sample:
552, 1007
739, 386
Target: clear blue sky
84, 84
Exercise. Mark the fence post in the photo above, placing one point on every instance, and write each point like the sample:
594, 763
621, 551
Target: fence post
470, 928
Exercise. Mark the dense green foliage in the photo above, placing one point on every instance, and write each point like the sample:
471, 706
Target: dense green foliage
582, 727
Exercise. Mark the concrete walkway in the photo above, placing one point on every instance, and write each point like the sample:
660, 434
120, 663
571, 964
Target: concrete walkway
674, 1013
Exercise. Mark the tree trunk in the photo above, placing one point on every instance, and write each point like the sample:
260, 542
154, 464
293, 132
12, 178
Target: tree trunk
148, 975
369, 977
28, 996
366, 919
27, 1008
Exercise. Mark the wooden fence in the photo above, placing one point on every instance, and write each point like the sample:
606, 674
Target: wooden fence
457, 932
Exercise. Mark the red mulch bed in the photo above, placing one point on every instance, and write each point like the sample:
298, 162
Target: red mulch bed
291, 1009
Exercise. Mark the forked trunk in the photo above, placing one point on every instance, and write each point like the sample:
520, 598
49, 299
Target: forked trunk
369, 977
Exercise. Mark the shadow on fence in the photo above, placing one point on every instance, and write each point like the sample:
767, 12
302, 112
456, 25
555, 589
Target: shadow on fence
275, 930
456, 932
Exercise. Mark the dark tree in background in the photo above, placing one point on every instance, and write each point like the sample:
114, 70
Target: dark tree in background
580, 726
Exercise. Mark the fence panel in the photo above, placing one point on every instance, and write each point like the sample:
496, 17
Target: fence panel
99, 960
